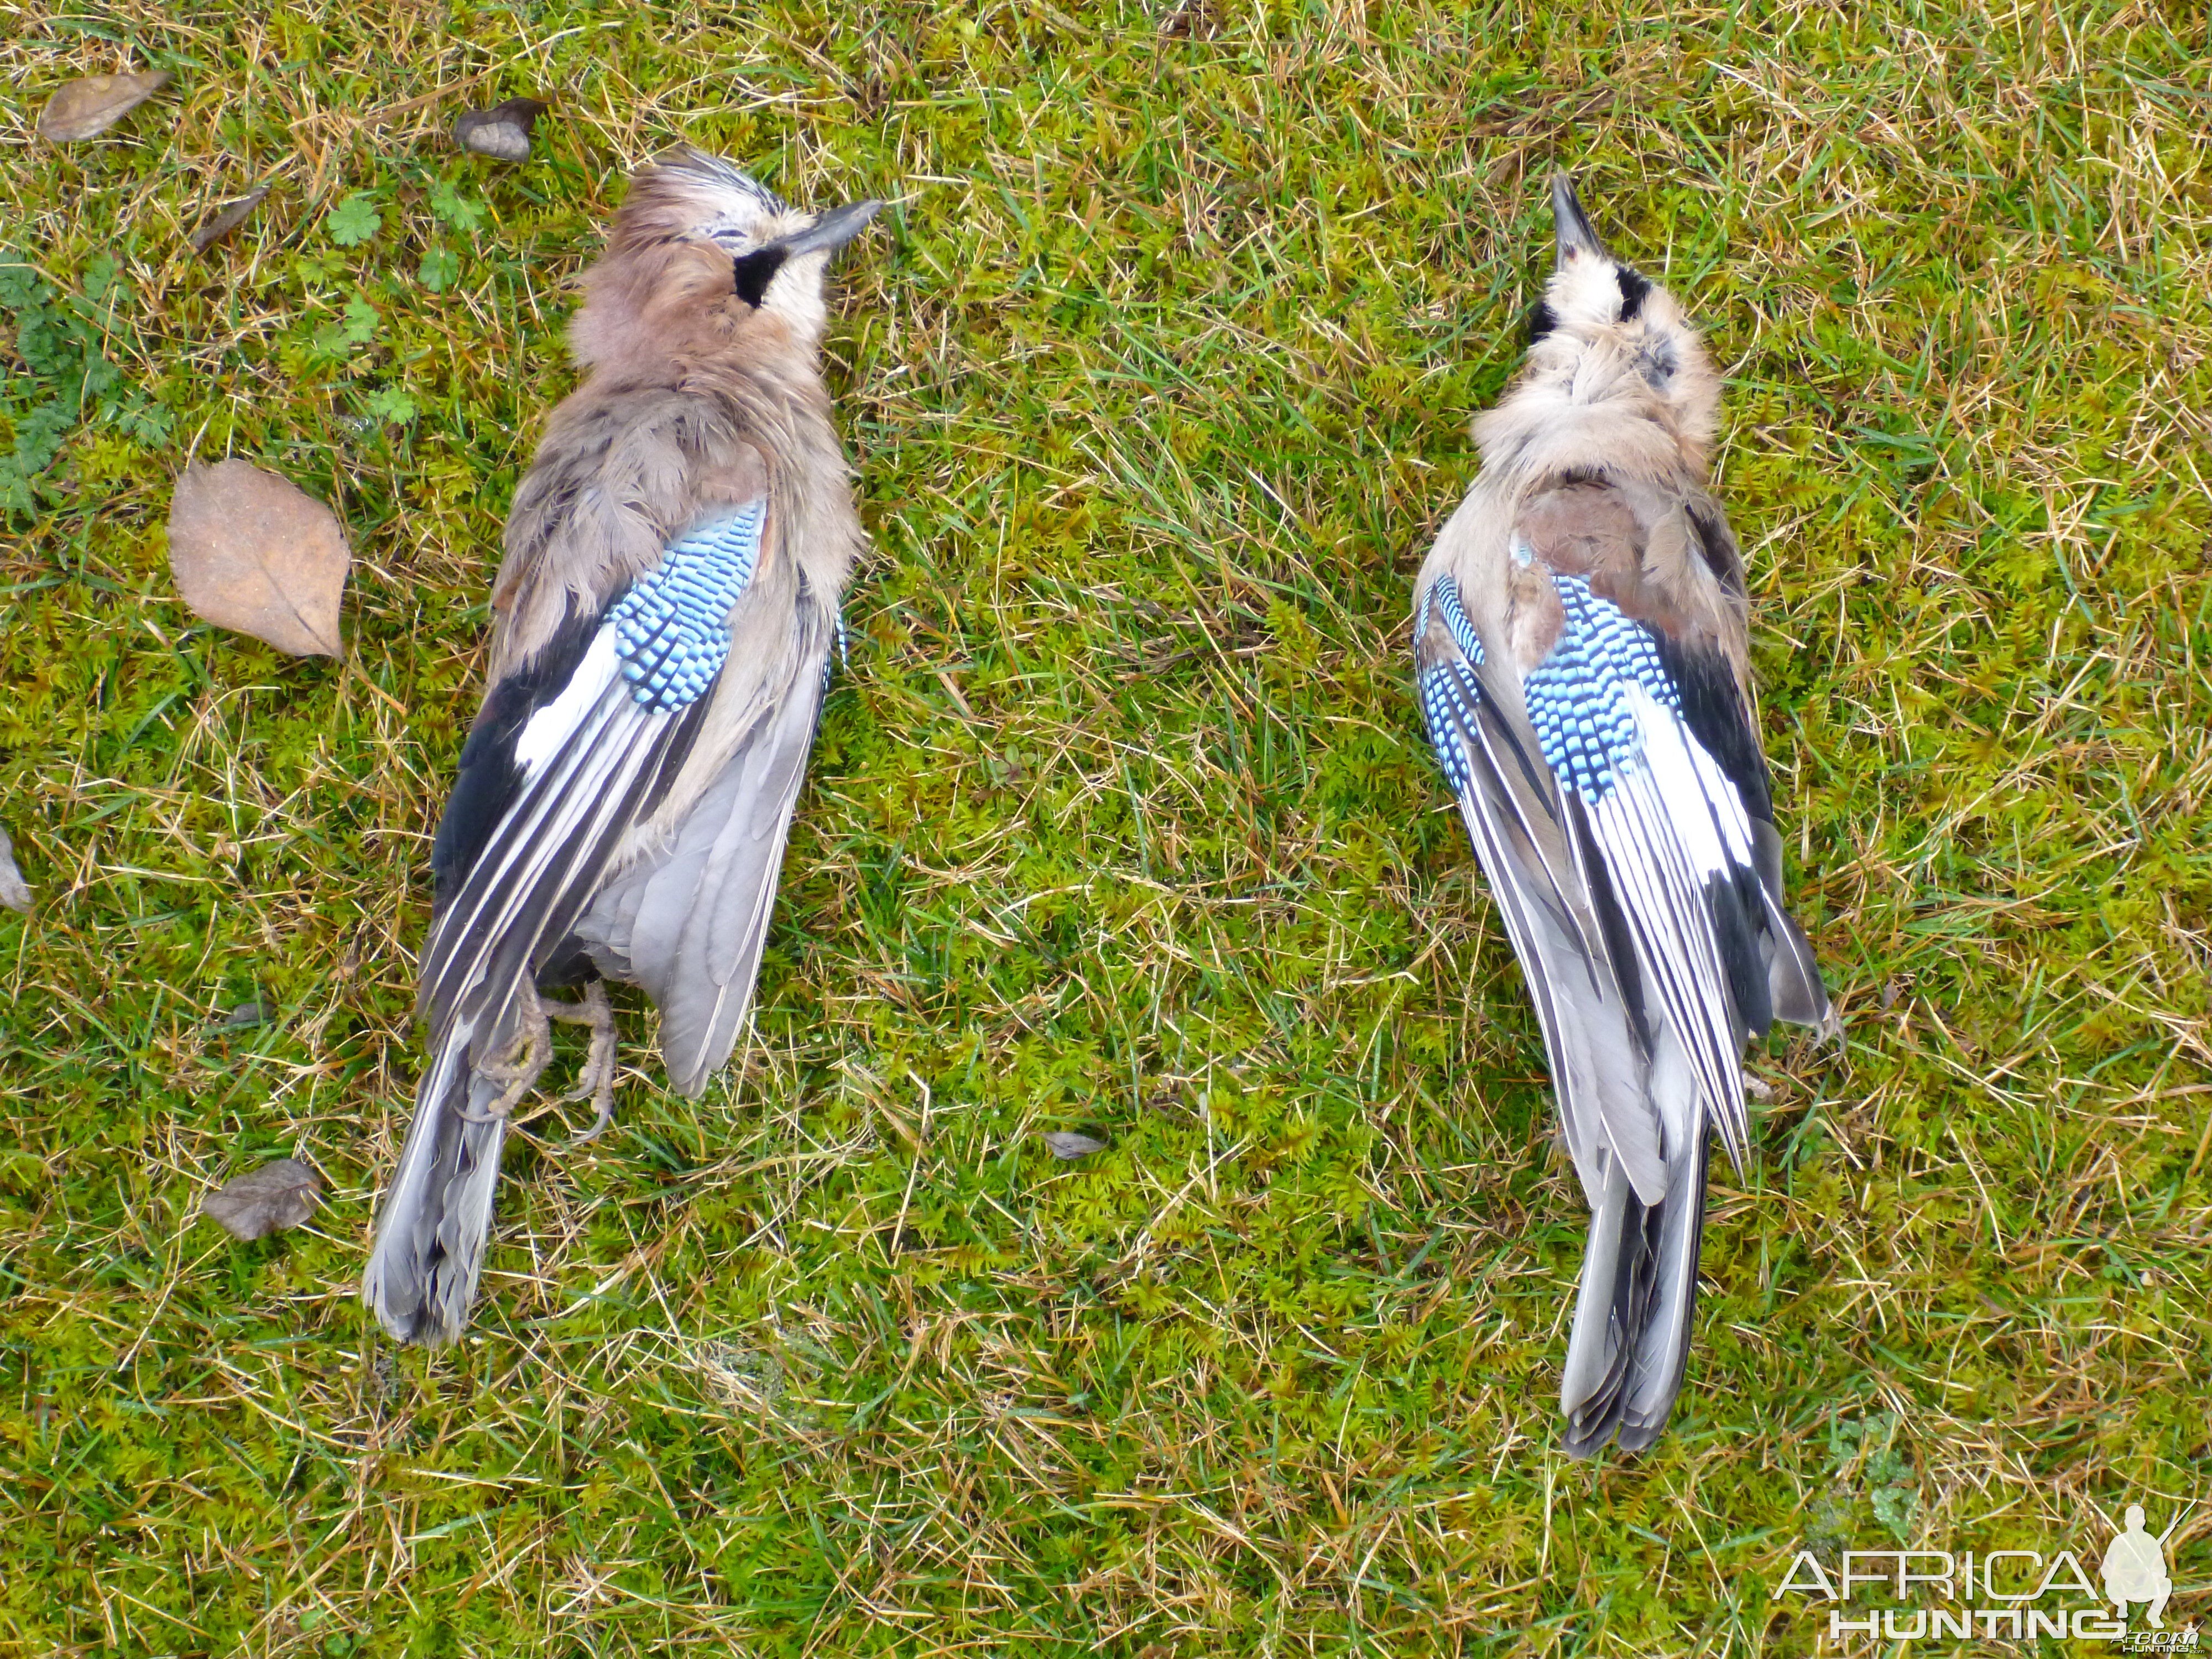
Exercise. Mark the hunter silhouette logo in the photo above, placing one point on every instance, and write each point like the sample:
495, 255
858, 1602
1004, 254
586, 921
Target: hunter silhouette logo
2015, 1595
2135, 1569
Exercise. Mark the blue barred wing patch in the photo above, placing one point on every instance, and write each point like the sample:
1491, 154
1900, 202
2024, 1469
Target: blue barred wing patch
1451, 693
831, 659
672, 628
1578, 697
1446, 597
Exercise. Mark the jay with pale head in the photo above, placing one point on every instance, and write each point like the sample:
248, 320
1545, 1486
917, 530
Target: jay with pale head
662, 637
1580, 649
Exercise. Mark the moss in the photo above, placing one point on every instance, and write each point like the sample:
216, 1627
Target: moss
1157, 376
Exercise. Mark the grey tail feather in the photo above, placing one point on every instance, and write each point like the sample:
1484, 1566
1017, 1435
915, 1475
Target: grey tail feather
1633, 1312
1663, 1350
430, 1238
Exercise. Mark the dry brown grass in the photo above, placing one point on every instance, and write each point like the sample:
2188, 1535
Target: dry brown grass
1158, 379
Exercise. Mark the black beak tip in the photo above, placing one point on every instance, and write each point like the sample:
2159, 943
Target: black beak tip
1575, 233
858, 213
841, 226
831, 231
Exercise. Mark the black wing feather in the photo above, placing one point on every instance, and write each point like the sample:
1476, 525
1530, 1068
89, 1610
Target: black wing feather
488, 780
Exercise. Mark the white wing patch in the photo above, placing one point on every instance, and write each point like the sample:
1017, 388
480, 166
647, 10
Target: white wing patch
1719, 839
541, 737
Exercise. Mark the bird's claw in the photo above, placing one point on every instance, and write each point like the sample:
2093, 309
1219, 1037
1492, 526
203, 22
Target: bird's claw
519, 1071
596, 1081
526, 1062
603, 1096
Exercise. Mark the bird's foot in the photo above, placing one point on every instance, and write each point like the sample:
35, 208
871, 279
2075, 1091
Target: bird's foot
519, 1069
596, 1082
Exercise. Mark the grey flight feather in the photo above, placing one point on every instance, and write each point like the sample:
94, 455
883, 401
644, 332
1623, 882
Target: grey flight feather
689, 921
437, 1213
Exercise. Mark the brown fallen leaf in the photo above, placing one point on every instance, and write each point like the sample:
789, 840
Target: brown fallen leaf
265, 1201
227, 221
86, 108
502, 131
251, 553
14, 891
1066, 1146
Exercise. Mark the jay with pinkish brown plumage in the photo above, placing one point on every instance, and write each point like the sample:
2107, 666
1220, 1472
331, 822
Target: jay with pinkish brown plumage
664, 625
1581, 645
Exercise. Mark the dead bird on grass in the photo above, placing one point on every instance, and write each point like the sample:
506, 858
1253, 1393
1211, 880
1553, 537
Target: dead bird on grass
1580, 641
663, 626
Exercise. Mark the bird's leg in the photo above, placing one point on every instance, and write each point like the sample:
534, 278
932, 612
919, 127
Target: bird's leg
519, 1069
596, 1082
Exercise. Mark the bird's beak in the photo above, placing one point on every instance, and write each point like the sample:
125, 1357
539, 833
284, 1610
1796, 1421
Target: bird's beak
1576, 232
831, 230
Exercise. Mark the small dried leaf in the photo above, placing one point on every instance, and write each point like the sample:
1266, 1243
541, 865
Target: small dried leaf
86, 108
267, 1200
14, 892
228, 220
502, 131
1066, 1145
250, 552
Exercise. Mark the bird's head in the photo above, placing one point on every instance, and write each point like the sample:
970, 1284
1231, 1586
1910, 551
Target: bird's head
1605, 336
702, 255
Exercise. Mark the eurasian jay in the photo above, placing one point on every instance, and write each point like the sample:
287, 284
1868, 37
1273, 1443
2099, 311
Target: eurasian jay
662, 638
1580, 644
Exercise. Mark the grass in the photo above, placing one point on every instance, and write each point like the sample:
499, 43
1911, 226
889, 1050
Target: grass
1157, 380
